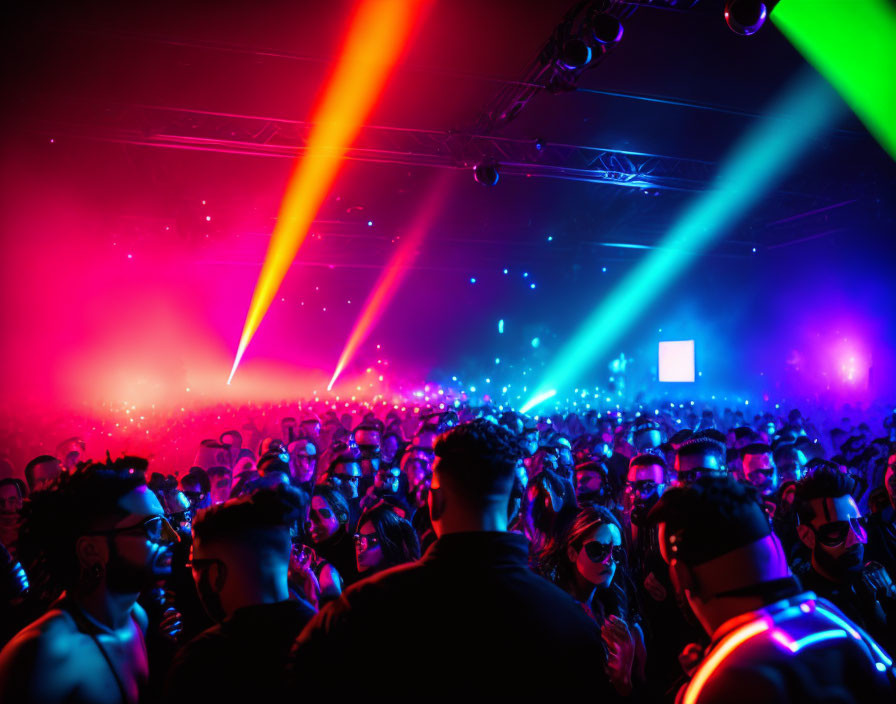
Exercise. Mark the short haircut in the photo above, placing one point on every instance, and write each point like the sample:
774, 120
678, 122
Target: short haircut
29, 468
825, 481
681, 436
478, 458
701, 446
17, 483
55, 517
785, 452
710, 518
259, 519
756, 448
592, 466
712, 434
647, 459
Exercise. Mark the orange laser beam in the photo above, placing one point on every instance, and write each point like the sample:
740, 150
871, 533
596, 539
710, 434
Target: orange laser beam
391, 277
378, 32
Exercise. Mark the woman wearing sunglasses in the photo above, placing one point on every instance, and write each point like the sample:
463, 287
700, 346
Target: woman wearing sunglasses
588, 561
328, 528
384, 540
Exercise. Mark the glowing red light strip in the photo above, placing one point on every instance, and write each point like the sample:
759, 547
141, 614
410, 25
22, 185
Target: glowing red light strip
722, 651
378, 32
392, 275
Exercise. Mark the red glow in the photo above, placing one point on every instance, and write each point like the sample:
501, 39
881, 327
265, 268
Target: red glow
391, 277
377, 34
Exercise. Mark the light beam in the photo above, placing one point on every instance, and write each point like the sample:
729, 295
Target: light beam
391, 277
378, 32
853, 45
760, 158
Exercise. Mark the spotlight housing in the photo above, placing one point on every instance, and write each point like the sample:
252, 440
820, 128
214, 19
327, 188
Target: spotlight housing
575, 54
745, 17
486, 173
605, 29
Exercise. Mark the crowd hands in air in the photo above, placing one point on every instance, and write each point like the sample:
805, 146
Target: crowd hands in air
631, 555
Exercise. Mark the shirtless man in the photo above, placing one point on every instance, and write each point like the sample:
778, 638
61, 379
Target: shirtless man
101, 535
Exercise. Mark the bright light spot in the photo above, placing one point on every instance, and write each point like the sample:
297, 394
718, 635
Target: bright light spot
525, 274
603, 269
472, 280
370, 223
497, 360
208, 218
501, 326
505, 271
536, 342
531, 285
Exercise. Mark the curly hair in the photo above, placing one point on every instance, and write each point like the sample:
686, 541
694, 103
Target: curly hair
54, 518
478, 458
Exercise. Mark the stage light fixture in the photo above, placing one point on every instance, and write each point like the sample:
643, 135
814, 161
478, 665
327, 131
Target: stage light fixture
486, 173
575, 54
605, 29
745, 17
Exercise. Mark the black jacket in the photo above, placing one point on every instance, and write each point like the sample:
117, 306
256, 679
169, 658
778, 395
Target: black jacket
241, 659
469, 618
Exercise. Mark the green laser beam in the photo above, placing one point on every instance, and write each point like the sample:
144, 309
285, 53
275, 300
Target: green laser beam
760, 158
853, 45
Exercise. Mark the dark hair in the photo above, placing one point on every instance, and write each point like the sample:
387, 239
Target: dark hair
29, 468
397, 536
785, 451
335, 500
478, 458
702, 446
261, 518
647, 459
55, 517
198, 475
553, 561
218, 470
755, 448
17, 483
823, 482
710, 517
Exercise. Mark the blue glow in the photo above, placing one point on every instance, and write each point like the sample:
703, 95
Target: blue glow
536, 342
550, 238
604, 269
472, 280
497, 360
531, 285
880, 666
817, 638
501, 326
625, 245
505, 271
525, 274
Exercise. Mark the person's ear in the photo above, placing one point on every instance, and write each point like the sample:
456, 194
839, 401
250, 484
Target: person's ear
436, 500
571, 554
217, 576
807, 535
683, 580
91, 550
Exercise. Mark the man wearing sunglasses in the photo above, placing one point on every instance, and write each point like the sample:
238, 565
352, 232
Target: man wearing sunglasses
98, 535
699, 456
833, 528
770, 641
240, 562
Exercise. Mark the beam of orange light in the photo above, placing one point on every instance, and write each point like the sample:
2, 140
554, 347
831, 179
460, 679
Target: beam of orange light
378, 32
391, 277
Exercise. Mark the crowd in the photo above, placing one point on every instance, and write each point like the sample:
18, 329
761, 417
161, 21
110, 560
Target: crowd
649, 556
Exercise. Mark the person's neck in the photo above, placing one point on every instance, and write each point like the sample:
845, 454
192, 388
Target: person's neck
265, 591
825, 575
582, 589
713, 614
110, 609
462, 520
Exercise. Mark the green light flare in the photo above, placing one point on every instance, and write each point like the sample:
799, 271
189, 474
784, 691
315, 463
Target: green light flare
761, 157
853, 45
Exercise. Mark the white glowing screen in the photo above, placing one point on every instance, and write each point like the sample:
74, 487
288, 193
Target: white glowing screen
677, 360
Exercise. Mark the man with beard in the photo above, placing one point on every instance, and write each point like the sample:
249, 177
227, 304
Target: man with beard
100, 535
759, 470
240, 564
591, 480
668, 632
771, 642
833, 528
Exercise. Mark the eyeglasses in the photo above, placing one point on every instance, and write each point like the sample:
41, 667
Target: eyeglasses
347, 477
598, 552
645, 486
692, 475
834, 534
366, 542
157, 529
321, 514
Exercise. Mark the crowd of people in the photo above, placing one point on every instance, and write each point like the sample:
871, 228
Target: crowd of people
645, 555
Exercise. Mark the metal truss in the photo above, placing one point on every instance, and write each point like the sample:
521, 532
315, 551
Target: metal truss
177, 128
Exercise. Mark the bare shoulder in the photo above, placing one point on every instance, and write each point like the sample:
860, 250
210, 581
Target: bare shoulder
49, 644
139, 614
